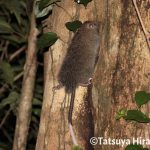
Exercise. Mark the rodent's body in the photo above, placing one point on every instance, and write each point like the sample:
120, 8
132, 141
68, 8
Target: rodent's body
79, 62
78, 65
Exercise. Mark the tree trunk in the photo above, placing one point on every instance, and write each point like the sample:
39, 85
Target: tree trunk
122, 69
25, 104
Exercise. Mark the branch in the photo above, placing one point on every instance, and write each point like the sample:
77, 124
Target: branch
5, 86
7, 135
5, 117
4, 50
25, 105
12, 57
16, 53
142, 24
18, 76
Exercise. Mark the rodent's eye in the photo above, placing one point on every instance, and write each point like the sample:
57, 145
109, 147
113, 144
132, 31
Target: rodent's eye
91, 26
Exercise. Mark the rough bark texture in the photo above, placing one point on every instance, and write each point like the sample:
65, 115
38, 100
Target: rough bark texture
25, 104
122, 69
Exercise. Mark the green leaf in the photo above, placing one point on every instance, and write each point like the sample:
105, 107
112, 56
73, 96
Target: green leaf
45, 3
34, 119
12, 98
134, 147
38, 96
84, 2
73, 26
37, 102
13, 39
7, 72
44, 11
21, 30
46, 40
36, 111
141, 97
137, 115
39, 89
121, 113
18, 68
14, 8
5, 27
76, 148
43, 7
4, 145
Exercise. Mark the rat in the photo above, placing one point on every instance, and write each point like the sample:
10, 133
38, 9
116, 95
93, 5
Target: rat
78, 65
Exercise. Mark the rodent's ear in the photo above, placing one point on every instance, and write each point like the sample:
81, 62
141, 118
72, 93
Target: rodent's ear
92, 25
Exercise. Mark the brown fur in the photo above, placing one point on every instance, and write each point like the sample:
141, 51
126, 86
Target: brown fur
78, 64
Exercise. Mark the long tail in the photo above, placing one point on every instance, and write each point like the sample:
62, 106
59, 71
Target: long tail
71, 107
70, 117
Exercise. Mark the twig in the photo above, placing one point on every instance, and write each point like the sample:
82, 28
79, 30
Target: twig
64, 10
5, 86
18, 76
4, 50
7, 134
62, 40
5, 117
39, 63
142, 24
16, 53
2, 43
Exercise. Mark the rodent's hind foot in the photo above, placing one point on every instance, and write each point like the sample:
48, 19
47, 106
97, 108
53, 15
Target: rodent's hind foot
57, 87
86, 84
90, 81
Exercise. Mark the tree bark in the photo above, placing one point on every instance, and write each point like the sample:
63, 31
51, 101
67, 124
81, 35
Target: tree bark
25, 104
122, 69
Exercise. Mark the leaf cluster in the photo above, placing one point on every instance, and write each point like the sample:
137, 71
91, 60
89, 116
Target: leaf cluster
135, 147
13, 22
14, 28
141, 98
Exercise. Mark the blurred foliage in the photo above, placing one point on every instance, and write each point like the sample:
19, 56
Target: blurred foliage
46, 40
14, 29
44, 7
73, 26
13, 21
7, 73
141, 98
135, 147
76, 148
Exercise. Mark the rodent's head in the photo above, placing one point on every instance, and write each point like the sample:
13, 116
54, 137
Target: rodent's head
91, 25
